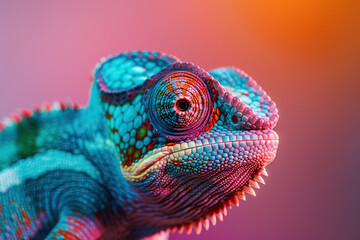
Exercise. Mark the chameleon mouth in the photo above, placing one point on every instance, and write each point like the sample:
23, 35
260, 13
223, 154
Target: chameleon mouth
138, 170
219, 210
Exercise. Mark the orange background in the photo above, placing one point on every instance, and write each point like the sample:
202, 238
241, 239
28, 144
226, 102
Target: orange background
305, 54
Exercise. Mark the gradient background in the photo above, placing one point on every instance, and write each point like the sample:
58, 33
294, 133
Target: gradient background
304, 53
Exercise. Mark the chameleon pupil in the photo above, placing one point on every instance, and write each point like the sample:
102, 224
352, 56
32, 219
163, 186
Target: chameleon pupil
183, 105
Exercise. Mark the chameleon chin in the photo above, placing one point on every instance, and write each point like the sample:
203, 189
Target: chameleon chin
162, 146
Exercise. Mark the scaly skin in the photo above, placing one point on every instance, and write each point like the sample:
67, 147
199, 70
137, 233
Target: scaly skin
162, 145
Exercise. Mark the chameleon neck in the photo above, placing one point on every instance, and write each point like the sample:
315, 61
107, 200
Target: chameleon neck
93, 125
133, 207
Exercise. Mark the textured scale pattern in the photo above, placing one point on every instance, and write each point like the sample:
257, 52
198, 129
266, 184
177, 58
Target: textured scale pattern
162, 146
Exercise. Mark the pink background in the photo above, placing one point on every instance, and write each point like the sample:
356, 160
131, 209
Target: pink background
305, 54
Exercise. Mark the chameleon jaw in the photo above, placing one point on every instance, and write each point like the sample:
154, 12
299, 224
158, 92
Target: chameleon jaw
160, 156
220, 209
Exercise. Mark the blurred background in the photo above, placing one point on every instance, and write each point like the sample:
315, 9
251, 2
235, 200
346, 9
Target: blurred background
305, 55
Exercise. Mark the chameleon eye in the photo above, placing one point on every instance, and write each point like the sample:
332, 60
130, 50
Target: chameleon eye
180, 105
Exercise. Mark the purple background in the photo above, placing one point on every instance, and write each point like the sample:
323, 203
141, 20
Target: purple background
305, 54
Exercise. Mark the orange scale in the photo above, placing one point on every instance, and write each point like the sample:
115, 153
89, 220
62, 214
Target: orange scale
78, 223
128, 160
142, 131
150, 147
137, 153
67, 235
108, 116
130, 150
170, 144
18, 232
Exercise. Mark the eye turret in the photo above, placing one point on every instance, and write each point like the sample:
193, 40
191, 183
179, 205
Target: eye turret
180, 105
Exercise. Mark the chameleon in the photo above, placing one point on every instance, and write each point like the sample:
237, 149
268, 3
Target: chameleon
162, 146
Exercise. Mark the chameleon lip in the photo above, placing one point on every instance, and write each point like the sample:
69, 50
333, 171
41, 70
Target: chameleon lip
140, 169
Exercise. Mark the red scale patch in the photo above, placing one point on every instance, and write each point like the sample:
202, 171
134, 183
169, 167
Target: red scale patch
26, 113
16, 118
26, 217
108, 116
18, 232
131, 155
150, 146
68, 235
47, 106
63, 105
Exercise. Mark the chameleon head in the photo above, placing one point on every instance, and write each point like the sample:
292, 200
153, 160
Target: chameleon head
189, 141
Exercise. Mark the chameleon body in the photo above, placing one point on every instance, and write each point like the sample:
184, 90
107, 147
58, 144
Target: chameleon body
162, 145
